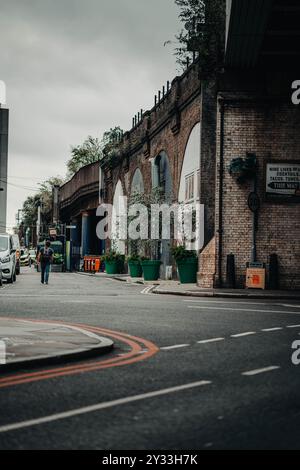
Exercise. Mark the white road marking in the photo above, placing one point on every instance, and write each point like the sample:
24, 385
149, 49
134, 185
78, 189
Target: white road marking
212, 340
260, 371
293, 326
147, 290
237, 302
166, 348
242, 309
13, 296
290, 305
269, 330
240, 335
100, 406
225, 302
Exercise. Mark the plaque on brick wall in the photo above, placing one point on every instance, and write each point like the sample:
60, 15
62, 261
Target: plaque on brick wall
283, 181
253, 202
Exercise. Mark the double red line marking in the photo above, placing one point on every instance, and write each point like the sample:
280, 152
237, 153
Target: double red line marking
141, 349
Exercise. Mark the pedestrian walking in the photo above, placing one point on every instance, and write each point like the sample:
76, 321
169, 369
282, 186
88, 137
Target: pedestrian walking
45, 258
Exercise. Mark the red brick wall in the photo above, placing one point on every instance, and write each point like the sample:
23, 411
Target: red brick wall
271, 130
166, 127
207, 265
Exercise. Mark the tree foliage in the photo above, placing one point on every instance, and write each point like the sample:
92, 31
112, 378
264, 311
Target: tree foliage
43, 198
89, 152
92, 150
203, 33
191, 12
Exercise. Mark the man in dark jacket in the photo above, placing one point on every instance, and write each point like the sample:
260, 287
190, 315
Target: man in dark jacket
45, 259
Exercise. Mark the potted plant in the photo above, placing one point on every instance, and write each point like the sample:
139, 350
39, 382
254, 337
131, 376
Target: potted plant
187, 264
134, 265
114, 262
151, 269
243, 169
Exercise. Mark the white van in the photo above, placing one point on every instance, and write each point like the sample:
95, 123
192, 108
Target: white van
8, 257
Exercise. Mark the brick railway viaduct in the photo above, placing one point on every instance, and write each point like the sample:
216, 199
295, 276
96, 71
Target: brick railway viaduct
187, 141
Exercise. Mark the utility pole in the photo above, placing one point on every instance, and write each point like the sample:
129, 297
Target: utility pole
18, 216
55, 195
4, 118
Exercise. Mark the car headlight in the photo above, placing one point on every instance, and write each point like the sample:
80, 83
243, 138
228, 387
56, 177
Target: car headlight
6, 259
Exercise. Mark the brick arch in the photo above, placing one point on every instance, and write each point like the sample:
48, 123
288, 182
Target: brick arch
174, 143
164, 145
181, 162
184, 137
186, 144
119, 176
170, 176
139, 162
132, 175
161, 151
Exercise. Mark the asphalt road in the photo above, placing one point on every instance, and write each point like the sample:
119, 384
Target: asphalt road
222, 377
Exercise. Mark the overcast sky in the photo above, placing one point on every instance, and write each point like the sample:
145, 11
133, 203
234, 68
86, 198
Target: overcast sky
75, 68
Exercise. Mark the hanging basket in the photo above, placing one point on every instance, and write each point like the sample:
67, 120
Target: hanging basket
243, 169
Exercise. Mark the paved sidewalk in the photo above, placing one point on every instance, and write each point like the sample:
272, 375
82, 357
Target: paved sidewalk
192, 290
26, 343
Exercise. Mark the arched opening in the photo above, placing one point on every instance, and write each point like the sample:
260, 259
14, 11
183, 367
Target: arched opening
137, 184
162, 178
189, 188
137, 188
119, 210
161, 175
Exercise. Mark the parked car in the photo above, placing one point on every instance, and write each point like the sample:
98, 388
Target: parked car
8, 257
32, 254
1, 274
16, 246
25, 259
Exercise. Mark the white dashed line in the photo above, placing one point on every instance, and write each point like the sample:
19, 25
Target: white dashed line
293, 326
268, 330
166, 348
213, 340
100, 406
240, 335
290, 305
249, 373
223, 302
242, 309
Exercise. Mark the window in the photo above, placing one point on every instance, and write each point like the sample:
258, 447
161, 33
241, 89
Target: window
189, 187
161, 172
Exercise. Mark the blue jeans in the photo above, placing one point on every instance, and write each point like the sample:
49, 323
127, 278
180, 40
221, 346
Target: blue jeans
45, 269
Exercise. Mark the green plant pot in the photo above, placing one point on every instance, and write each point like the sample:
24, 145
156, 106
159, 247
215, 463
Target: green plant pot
151, 270
135, 268
111, 267
187, 270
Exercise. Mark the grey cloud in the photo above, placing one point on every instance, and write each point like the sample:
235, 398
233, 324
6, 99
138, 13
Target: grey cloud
75, 68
